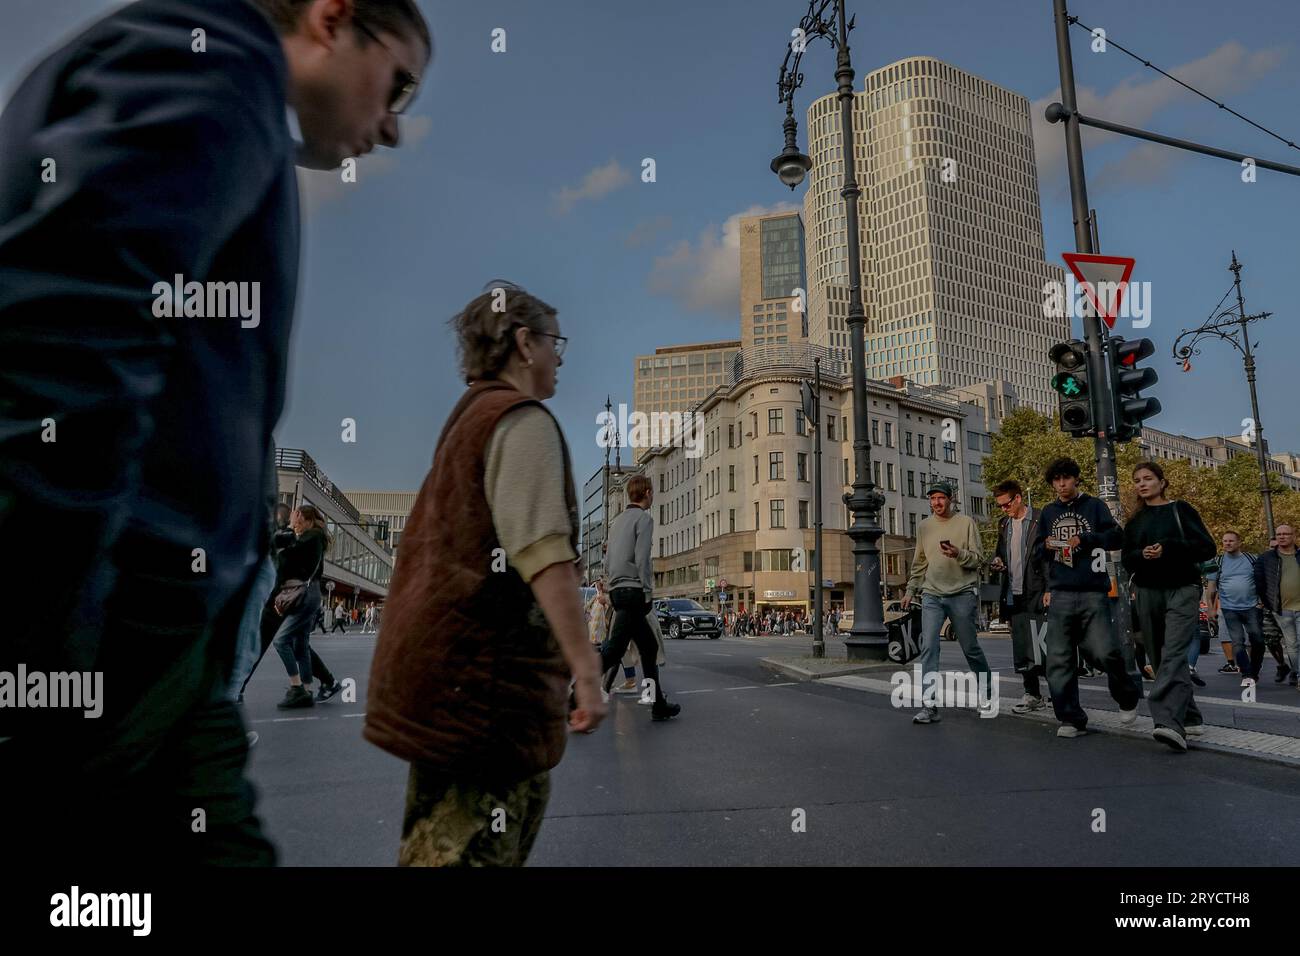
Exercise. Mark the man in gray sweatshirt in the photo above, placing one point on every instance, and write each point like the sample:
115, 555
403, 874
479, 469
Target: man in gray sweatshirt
631, 588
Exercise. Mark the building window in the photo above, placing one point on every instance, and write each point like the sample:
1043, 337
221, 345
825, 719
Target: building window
777, 512
950, 451
775, 421
973, 441
801, 466
976, 471
908, 438
731, 477
875, 470
749, 560
977, 506
755, 515
803, 514
889, 434
800, 423
755, 469
661, 481
911, 526
893, 521
731, 436
932, 454
911, 485
661, 514
732, 515
875, 431
889, 474
776, 466
830, 427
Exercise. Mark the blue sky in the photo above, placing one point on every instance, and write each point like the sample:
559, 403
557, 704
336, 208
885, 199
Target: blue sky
526, 165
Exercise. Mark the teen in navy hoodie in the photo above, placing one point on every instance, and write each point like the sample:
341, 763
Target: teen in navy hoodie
1074, 534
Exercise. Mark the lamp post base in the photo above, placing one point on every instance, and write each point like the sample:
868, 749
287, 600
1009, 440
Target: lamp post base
867, 646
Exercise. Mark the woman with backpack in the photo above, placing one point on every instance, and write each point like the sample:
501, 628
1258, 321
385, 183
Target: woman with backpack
1165, 543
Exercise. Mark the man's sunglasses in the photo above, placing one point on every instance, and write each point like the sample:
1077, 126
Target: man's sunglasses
406, 82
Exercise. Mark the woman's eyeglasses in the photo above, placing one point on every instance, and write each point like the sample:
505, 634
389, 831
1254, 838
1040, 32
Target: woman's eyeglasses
406, 82
560, 341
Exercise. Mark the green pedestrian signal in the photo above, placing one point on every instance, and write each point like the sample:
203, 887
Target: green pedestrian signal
1071, 386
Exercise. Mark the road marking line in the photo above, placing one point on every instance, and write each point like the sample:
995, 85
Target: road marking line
283, 720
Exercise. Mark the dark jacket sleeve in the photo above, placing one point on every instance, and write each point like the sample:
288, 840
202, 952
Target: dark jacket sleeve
1108, 535
1134, 542
158, 163
1261, 578
1039, 549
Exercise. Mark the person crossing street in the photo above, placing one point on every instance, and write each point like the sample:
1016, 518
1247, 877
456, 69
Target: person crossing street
945, 576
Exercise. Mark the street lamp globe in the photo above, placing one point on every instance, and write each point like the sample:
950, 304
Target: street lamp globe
791, 166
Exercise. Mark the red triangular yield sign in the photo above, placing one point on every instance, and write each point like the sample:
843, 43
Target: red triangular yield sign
1109, 274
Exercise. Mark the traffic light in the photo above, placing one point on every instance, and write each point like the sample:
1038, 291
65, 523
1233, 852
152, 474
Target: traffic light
1127, 380
1071, 386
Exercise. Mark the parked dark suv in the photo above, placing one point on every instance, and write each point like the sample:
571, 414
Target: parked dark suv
680, 617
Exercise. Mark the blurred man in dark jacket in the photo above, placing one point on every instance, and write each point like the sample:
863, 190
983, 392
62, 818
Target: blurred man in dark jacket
148, 269
1022, 600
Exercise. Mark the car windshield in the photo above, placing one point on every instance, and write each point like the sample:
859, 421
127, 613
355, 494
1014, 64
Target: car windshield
684, 606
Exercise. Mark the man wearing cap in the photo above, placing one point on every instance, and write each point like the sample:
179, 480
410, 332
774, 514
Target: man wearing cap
945, 573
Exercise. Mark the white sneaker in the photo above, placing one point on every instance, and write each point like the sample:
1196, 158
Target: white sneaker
1069, 730
1197, 730
1028, 703
927, 715
1127, 717
1170, 738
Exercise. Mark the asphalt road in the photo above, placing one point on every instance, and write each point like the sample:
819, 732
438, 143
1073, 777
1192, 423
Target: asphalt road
722, 784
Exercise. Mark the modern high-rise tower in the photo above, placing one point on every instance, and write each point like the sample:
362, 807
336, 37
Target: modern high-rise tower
953, 272
772, 309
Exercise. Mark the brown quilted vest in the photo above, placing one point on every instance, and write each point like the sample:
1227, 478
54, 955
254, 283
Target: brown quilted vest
467, 677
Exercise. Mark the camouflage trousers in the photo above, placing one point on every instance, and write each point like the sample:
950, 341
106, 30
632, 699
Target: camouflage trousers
464, 823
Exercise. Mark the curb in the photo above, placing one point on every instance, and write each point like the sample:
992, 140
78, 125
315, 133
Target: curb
793, 670
1270, 748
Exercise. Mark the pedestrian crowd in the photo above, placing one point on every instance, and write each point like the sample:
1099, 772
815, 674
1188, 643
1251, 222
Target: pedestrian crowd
1057, 595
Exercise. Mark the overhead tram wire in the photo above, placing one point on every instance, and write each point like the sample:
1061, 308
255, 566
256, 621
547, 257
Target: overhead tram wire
1145, 62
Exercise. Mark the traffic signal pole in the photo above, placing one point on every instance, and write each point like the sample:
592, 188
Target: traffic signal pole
1103, 416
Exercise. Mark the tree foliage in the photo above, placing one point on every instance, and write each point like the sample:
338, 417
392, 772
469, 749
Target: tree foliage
1227, 498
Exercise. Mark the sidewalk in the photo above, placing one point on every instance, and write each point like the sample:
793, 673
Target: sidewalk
1267, 729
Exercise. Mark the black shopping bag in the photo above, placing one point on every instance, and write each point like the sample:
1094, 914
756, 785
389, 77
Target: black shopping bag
905, 635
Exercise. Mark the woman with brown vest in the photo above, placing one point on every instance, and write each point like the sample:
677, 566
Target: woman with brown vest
484, 625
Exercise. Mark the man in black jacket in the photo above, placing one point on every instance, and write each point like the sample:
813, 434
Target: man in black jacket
148, 269
1074, 533
1277, 581
1024, 587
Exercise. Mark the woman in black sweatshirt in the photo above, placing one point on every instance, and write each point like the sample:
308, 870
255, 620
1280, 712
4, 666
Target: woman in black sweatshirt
1165, 543
301, 560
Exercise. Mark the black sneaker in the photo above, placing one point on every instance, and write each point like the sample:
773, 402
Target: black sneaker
1197, 680
1282, 671
662, 710
296, 696
1229, 668
325, 693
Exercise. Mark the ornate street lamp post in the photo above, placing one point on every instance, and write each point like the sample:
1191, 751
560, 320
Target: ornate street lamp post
1236, 319
826, 18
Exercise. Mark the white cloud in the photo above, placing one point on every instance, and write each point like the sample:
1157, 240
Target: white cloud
704, 276
597, 184
1228, 70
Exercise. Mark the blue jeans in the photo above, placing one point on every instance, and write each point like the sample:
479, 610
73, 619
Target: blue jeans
293, 638
962, 609
1081, 620
1241, 625
248, 649
1289, 621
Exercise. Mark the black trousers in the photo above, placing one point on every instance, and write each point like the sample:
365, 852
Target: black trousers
631, 627
270, 624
